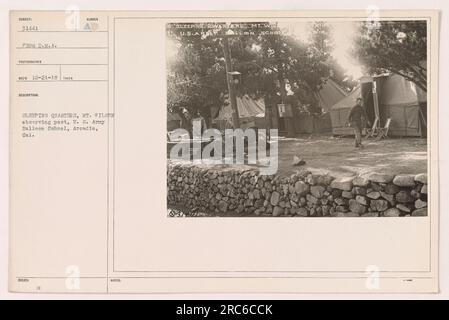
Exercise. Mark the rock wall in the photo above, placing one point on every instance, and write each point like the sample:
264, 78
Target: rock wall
236, 192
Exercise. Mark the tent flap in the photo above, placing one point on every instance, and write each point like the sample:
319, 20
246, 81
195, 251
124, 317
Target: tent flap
398, 100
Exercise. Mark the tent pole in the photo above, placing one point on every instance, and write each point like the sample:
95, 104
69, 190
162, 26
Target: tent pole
376, 103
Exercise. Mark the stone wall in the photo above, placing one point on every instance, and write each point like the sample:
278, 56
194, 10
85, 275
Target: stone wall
236, 192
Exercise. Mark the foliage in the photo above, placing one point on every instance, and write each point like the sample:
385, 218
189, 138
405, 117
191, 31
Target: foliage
394, 46
266, 56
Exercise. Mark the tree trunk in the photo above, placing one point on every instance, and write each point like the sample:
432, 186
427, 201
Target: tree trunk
289, 126
230, 81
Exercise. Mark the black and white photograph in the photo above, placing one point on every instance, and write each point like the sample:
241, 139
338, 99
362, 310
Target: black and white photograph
297, 118
226, 152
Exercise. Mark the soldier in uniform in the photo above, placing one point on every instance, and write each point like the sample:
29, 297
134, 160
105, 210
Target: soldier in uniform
357, 117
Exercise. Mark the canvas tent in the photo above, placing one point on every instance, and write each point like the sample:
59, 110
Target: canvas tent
340, 112
251, 113
397, 98
329, 94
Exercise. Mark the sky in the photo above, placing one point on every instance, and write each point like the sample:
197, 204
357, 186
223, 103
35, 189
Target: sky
342, 35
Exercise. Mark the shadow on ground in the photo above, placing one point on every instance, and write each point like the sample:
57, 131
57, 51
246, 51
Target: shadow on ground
339, 157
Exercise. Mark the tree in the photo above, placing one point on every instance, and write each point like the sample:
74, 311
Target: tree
394, 46
195, 73
320, 51
266, 56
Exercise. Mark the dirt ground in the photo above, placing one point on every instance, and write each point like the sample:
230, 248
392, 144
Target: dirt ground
339, 157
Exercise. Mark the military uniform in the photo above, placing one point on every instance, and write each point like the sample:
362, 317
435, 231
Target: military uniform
356, 118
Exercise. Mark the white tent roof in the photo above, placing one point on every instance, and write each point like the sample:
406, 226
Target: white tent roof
246, 106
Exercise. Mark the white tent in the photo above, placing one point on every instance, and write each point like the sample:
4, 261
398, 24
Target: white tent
398, 99
251, 113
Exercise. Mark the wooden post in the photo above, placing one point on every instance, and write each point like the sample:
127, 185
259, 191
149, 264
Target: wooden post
289, 125
376, 102
230, 81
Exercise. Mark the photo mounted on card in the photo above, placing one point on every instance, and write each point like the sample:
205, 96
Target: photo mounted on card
224, 151
260, 117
